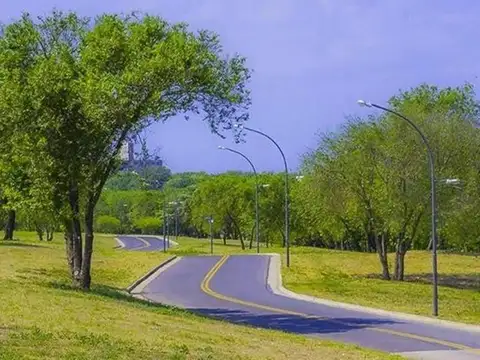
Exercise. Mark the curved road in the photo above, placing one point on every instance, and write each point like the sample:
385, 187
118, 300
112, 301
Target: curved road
235, 288
143, 243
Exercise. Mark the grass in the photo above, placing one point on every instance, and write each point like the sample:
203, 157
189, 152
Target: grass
41, 317
353, 278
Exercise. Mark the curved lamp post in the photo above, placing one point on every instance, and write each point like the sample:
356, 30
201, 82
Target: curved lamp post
287, 217
433, 193
256, 192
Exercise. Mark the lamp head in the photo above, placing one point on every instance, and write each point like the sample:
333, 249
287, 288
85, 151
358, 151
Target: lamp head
364, 103
452, 181
221, 147
238, 126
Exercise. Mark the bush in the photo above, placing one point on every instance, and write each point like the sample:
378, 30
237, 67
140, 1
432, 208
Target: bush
108, 224
148, 225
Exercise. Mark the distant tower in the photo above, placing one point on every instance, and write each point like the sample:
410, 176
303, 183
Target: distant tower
131, 156
124, 152
127, 153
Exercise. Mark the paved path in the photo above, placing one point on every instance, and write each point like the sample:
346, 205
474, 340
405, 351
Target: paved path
235, 288
143, 243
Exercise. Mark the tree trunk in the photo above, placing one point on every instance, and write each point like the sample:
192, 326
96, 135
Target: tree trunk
49, 234
77, 236
251, 237
382, 255
68, 236
10, 225
400, 252
284, 238
238, 231
86, 278
39, 231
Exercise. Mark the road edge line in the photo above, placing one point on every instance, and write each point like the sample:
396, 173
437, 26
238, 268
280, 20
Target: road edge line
274, 282
138, 285
205, 287
121, 244
161, 238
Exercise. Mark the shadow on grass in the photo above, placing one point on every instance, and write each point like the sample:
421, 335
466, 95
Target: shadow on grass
17, 243
456, 281
111, 292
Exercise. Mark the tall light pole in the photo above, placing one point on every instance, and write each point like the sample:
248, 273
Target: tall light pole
210, 222
287, 217
433, 198
168, 230
175, 203
176, 221
164, 226
257, 236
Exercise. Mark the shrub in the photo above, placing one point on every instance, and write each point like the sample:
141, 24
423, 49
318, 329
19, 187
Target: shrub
148, 225
108, 224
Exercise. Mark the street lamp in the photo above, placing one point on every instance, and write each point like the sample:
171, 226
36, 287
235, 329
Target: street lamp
433, 193
257, 236
210, 221
287, 217
176, 217
164, 226
452, 182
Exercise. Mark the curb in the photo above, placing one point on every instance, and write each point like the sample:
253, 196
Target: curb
137, 282
274, 282
121, 244
158, 237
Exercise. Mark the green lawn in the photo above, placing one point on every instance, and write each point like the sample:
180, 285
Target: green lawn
347, 277
42, 318
353, 278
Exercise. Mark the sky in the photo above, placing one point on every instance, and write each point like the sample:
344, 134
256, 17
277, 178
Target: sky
312, 60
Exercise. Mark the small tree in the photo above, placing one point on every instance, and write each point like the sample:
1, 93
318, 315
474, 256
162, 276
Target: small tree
107, 224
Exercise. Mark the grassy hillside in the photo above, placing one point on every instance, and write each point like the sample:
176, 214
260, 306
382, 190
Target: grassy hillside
41, 317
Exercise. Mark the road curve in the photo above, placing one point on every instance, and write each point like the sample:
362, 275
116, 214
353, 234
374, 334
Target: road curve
143, 243
235, 288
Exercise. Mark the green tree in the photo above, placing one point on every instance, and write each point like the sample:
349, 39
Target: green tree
107, 224
229, 199
125, 180
371, 180
83, 86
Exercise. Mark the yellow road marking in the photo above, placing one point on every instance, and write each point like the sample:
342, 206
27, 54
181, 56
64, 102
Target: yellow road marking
205, 286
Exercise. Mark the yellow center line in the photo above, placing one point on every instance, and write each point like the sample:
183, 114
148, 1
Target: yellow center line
205, 286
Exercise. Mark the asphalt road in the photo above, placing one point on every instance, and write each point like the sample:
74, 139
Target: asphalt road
143, 243
234, 288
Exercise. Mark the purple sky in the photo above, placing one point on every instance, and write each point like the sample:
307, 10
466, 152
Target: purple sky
312, 60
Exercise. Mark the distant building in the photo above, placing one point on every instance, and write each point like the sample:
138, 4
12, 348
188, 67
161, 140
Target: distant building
127, 155
124, 153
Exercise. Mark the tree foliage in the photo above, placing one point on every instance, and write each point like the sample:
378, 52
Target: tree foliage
73, 89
